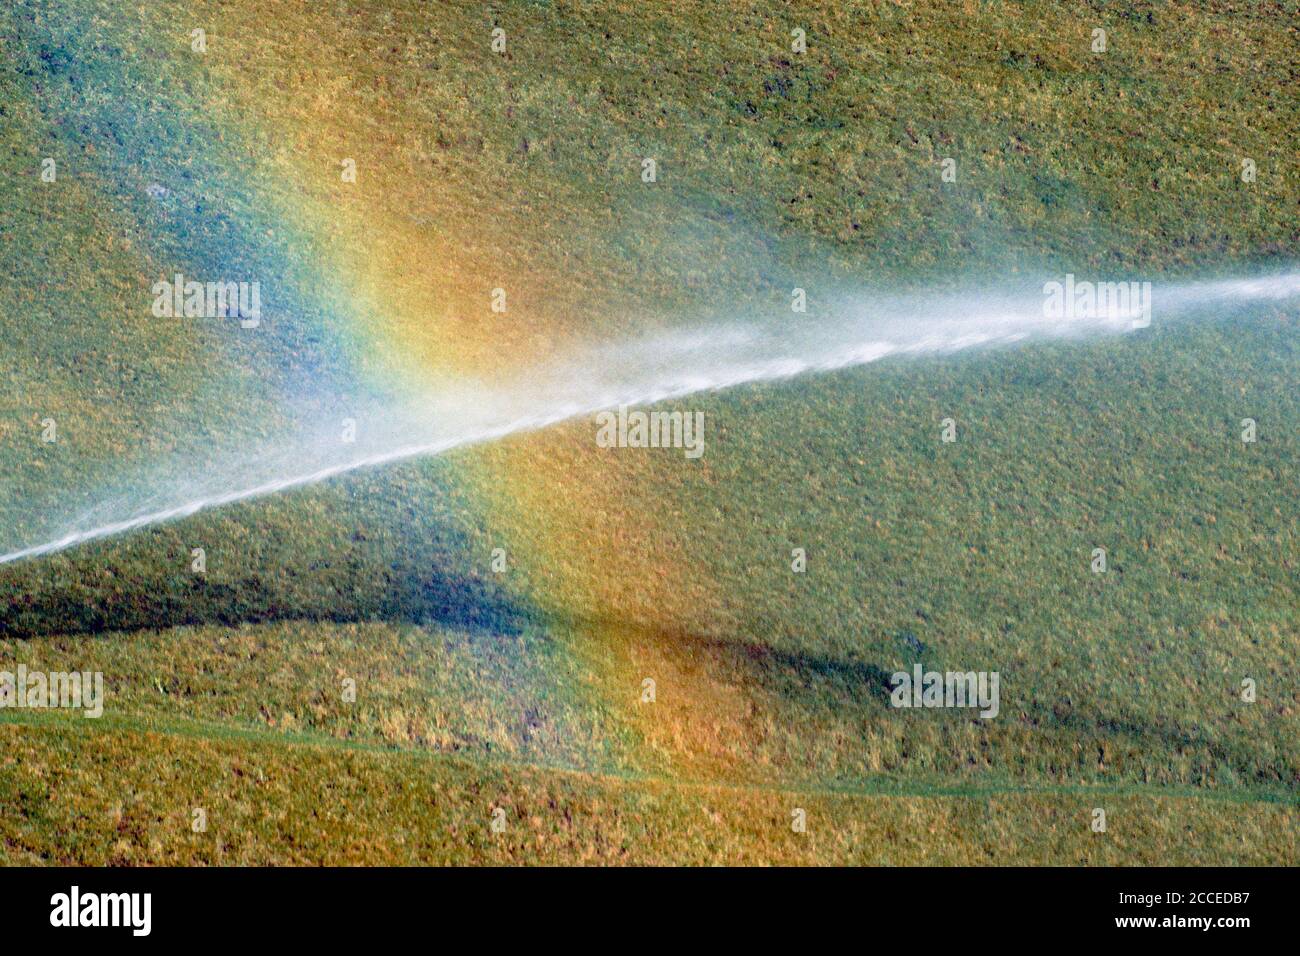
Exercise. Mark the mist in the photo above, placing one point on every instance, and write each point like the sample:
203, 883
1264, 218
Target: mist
369, 431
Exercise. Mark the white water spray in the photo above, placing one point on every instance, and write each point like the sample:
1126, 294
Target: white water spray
648, 371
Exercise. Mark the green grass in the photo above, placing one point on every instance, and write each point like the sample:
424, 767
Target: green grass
1116, 691
522, 691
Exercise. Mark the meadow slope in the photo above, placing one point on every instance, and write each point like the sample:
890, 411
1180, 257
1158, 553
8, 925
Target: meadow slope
522, 690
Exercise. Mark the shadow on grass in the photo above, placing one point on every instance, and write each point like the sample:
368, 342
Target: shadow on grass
86, 596
790, 686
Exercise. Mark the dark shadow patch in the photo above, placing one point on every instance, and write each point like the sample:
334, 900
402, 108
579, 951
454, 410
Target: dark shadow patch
812, 682
88, 595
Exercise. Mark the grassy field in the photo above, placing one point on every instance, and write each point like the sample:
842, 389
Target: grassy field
522, 691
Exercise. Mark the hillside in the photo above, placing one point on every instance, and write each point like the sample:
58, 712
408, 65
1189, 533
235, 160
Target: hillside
521, 170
